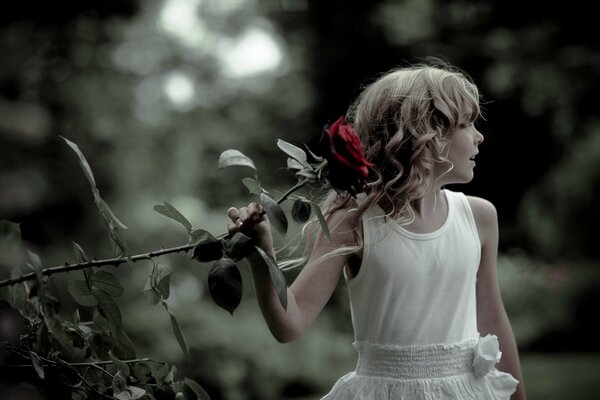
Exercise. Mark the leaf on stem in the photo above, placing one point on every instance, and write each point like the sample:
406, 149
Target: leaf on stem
239, 246
112, 215
124, 347
301, 210
108, 283
171, 212
121, 366
150, 291
80, 255
294, 152
277, 277
275, 212
208, 247
197, 389
225, 284
108, 308
82, 161
79, 290
177, 331
233, 158
37, 364
179, 335
122, 391
109, 217
163, 280
10, 235
253, 186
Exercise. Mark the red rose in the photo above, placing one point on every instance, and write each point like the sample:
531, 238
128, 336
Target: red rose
347, 167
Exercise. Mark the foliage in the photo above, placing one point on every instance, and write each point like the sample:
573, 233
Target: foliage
48, 341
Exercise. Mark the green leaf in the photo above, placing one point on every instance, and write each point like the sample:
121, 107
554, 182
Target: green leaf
123, 347
294, 165
122, 391
54, 326
121, 366
160, 372
108, 283
115, 235
150, 292
301, 210
277, 277
82, 161
101, 323
35, 259
108, 307
163, 279
239, 246
321, 219
37, 364
197, 389
142, 372
10, 234
231, 158
80, 255
208, 248
308, 173
253, 185
293, 151
112, 215
225, 284
171, 212
275, 212
78, 288
179, 335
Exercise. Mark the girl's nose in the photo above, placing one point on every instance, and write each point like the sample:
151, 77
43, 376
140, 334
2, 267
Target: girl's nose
479, 138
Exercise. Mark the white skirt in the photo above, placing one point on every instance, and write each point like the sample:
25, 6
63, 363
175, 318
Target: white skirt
460, 371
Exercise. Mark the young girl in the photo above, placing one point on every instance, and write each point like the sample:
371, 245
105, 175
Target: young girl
419, 260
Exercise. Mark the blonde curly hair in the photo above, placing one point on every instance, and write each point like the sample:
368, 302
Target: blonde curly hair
404, 119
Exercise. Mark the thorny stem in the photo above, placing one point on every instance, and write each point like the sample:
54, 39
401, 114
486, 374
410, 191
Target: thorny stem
116, 261
97, 263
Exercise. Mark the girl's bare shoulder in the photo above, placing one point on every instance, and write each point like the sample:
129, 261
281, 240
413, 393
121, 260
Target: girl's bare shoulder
344, 223
484, 211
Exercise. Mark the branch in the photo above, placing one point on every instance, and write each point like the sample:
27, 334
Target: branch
116, 261
292, 190
97, 263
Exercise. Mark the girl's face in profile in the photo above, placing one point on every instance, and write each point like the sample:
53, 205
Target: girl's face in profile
462, 148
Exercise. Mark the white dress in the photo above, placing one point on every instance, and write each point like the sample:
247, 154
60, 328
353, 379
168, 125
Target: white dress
414, 315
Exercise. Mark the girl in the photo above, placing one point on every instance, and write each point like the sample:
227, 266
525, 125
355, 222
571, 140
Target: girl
419, 260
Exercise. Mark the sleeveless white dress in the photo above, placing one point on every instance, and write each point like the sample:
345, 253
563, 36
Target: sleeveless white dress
414, 315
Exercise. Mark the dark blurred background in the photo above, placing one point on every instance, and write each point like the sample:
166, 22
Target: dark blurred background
153, 92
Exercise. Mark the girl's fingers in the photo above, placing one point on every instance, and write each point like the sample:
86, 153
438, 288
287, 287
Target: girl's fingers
256, 212
244, 216
233, 213
236, 222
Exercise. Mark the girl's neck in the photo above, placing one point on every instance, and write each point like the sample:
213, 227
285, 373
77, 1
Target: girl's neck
430, 213
429, 205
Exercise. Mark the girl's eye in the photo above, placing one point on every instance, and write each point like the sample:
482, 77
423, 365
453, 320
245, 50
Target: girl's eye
467, 125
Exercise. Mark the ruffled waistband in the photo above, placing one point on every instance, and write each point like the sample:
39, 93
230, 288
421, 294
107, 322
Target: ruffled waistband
460, 371
415, 362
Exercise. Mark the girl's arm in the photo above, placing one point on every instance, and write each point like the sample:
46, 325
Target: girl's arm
491, 314
315, 284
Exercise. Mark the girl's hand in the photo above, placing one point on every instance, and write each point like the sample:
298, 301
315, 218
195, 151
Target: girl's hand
252, 221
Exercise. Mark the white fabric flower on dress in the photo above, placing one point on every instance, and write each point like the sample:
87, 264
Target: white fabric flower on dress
487, 355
